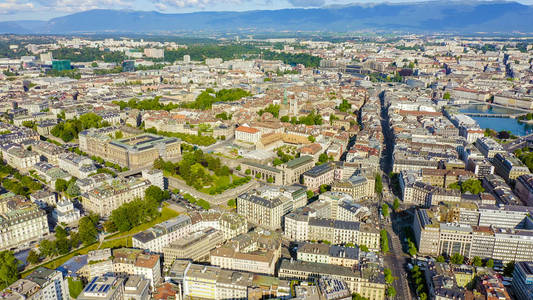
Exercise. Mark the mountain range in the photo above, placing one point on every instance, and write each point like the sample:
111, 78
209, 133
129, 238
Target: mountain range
416, 17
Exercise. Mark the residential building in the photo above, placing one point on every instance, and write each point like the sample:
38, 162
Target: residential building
317, 176
42, 283
19, 158
523, 280
76, 165
128, 261
509, 167
107, 197
21, 221
103, 288
195, 246
368, 283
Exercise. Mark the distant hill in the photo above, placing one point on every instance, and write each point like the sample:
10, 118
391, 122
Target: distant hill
421, 17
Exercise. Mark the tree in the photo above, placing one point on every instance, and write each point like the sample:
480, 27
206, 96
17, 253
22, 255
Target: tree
119, 135
364, 248
509, 269
232, 203
311, 138
446, 96
61, 233
323, 188
248, 172
154, 193
47, 248
378, 187
457, 259
62, 246
384, 241
490, 263
396, 204
344, 106
473, 186
61, 185
385, 210
33, 257
411, 247
73, 190
388, 276
8, 269
87, 230
258, 175
441, 259
310, 194
477, 261
391, 292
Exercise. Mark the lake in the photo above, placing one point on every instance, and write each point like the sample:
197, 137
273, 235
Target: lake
497, 124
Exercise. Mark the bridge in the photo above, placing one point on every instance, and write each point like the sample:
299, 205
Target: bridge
472, 101
512, 116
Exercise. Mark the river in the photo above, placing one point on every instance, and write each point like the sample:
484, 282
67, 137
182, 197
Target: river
497, 124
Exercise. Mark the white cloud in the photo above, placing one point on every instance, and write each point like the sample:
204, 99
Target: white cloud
14, 6
202, 4
307, 3
71, 6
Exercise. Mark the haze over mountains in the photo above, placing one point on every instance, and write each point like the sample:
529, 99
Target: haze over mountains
421, 17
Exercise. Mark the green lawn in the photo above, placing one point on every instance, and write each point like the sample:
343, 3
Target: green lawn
166, 214
75, 287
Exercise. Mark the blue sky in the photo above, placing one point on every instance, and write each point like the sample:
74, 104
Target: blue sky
46, 9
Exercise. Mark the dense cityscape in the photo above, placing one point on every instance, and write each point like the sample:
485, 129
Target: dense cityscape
363, 167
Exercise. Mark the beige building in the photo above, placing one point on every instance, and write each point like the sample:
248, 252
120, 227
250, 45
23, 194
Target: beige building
195, 246
369, 283
107, 197
132, 152
19, 158
359, 187
328, 254
21, 221
128, 261
261, 211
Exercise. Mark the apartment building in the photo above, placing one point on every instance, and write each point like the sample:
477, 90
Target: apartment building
42, 283
127, 261
257, 251
488, 147
369, 283
302, 228
161, 235
19, 158
524, 189
21, 221
76, 165
443, 178
49, 152
261, 211
507, 244
359, 187
329, 254
523, 280
107, 197
103, 288
509, 167
210, 282
319, 175
195, 246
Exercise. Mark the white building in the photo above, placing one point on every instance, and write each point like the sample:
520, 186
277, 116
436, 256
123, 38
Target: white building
65, 212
